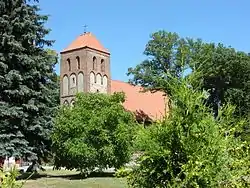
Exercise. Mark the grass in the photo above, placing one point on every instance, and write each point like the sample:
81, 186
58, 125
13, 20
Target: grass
71, 179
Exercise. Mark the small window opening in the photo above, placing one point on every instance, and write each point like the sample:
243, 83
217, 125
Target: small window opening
78, 62
69, 65
94, 63
102, 65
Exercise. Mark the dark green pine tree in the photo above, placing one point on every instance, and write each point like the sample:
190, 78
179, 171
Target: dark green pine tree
28, 82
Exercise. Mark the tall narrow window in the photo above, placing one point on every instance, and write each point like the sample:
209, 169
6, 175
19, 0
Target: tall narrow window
98, 79
92, 78
105, 84
78, 62
72, 84
69, 65
94, 63
80, 84
92, 88
105, 81
72, 81
65, 87
102, 65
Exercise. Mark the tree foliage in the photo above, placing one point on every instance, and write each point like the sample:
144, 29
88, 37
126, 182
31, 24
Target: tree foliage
168, 54
28, 85
96, 132
191, 148
222, 71
225, 73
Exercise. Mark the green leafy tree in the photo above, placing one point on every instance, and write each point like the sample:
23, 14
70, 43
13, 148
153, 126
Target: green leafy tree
96, 132
222, 71
191, 148
168, 54
28, 85
225, 73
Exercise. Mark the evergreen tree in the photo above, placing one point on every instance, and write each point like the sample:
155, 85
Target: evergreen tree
28, 83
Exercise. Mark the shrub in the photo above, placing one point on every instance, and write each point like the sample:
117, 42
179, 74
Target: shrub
191, 148
8, 179
123, 172
96, 132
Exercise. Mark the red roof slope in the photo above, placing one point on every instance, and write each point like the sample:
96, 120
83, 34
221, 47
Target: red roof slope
147, 103
86, 40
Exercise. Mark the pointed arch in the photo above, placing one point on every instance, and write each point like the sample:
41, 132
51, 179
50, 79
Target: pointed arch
65, 85
78, 62
66, 103
80, 80
102, 65
72, 81
99, 78
105, 81
92, 78
94, 63
69, 64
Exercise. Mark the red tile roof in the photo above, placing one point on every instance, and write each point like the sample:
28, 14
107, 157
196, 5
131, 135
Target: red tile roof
147, 103
86, 40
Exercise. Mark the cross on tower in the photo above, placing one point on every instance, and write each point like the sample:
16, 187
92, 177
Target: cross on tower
85, 28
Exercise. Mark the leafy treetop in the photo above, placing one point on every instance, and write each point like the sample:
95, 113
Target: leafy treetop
96, 132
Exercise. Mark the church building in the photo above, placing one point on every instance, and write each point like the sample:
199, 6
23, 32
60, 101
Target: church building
85, 67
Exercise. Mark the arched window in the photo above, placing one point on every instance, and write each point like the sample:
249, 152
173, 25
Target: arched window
65, 87
102, 65
72, 81
66, 103
78, 62
92, 78
92, 81
94, 63
69, 64
98, 79
72, 102
80, 83
105, 81
105, 84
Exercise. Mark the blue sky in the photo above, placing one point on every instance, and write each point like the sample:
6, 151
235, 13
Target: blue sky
124, 26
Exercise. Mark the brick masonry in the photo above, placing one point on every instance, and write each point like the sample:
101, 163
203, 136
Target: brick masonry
86, 56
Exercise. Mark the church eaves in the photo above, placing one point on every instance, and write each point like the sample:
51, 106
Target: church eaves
86, 40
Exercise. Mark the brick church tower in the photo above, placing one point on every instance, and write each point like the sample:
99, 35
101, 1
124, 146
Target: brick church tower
84, 67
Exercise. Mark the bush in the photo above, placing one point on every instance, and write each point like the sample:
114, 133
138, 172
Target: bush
96, 132
8, 178
191, 148
123, 172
